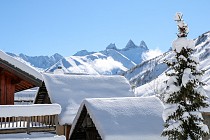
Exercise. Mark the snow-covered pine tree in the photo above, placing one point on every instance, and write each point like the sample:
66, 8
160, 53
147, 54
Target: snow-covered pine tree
185, 95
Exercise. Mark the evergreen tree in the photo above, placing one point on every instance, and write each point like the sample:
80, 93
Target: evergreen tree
185, 95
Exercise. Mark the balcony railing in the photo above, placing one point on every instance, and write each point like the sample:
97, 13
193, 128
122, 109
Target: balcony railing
27, 121
28, 124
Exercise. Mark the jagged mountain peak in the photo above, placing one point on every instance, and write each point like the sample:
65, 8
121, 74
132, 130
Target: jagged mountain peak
130, 44
111, 46
143, 45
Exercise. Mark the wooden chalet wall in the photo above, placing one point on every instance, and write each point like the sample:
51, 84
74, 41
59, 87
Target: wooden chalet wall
13, 80
7, 88
9, 84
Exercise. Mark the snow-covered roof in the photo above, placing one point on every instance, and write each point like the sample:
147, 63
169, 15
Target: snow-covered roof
70, 90
17, 64
136, 118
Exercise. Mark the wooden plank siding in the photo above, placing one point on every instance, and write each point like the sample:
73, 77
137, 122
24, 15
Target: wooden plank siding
7, 89
19, 73
10, 90
13, 79
42, 97
85, 129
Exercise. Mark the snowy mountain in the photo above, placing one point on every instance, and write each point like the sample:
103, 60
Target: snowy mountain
147, 70
110, 61
39, 62
134, 52
149, 76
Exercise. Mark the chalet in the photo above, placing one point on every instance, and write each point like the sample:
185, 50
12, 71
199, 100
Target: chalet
15, 76
124, 118
70, 90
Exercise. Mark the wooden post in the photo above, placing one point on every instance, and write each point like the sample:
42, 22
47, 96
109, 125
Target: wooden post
56, 120
28, 124
68, 128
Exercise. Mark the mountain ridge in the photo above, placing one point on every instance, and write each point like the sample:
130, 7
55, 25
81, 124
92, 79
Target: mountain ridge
109, 61
40, 62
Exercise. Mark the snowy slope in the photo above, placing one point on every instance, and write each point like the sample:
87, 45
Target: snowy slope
111, 61
117, 56
149, 76
147, 70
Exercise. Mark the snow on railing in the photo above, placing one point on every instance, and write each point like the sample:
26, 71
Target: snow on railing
28, 118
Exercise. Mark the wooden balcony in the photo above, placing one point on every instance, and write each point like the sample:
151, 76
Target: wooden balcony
25, 122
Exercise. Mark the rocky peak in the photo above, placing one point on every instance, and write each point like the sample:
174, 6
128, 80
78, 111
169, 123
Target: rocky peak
130, 44
111, 46
143, 45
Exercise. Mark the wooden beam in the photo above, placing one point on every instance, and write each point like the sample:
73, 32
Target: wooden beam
20, 73
15, 81
27, 84
21, 87
24, 85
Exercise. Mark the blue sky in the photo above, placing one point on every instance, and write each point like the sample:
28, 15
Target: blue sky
45, 27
